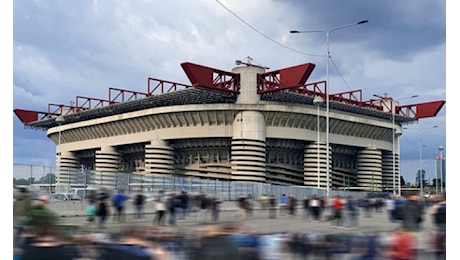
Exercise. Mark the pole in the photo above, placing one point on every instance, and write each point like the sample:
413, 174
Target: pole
317, 146
435, 177
420, 170
327, 33
440, 148
327, 115
393, 148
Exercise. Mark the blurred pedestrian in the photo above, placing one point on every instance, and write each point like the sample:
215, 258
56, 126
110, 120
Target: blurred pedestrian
438, 213
242, 205
282, 201
103, 210
438, 238
306, 207
412, 213
160, 209
337, 209
204, 205
272, 207
402, 246
316, 207
291, 205
119, 203
183, 204
391, 208
91, 211
215, 208
171, 204
139, 201
352, 212
21, 205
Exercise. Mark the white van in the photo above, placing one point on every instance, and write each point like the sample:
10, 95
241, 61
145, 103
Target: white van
82, 192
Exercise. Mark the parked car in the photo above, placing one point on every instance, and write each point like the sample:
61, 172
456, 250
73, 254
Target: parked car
64, 197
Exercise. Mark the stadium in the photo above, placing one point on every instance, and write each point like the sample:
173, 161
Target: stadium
247, 125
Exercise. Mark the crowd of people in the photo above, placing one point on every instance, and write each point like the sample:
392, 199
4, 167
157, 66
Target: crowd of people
38, 234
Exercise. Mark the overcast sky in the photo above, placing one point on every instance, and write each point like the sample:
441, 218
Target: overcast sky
64, 49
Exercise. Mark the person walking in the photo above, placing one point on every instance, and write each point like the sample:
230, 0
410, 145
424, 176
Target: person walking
315, 206
183, 204
352, 212
438, 215
90, 212
139, 201
272, 207
160, 209
283, 204
412, 213
204, 202
171, 203
306, 207
337, 209
21, 205
215, 208
119, 203
102, 200
391, 208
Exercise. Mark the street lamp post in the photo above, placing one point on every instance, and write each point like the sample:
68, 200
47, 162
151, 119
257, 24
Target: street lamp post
318, 101
420, 158
420, 170
435, 170
440, 148
328, 56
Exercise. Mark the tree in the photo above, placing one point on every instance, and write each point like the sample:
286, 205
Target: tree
420, 174
21, 181
50, 178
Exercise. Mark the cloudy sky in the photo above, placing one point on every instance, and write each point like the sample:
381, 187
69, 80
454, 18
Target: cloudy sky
64, 49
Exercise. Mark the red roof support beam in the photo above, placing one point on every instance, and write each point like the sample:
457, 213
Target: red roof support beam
85, 103
117, 95
162, 86
202, 76
421, 110
312, 89
354, 97
287, 78
28, 116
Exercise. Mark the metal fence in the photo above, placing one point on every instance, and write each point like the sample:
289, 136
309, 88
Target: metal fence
41, 178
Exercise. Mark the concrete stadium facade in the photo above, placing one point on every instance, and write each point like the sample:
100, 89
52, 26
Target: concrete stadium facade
275, 137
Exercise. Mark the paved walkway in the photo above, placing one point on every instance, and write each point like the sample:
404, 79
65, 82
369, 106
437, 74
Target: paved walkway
259, 222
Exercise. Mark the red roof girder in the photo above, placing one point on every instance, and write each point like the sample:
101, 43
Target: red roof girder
163, 86
85, 103
207, 77
312, 89
117, 95
28, 116
61, 109
354, 97
287, 78
421, 110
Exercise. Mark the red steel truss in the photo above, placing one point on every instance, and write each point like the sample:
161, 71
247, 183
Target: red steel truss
290, 79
